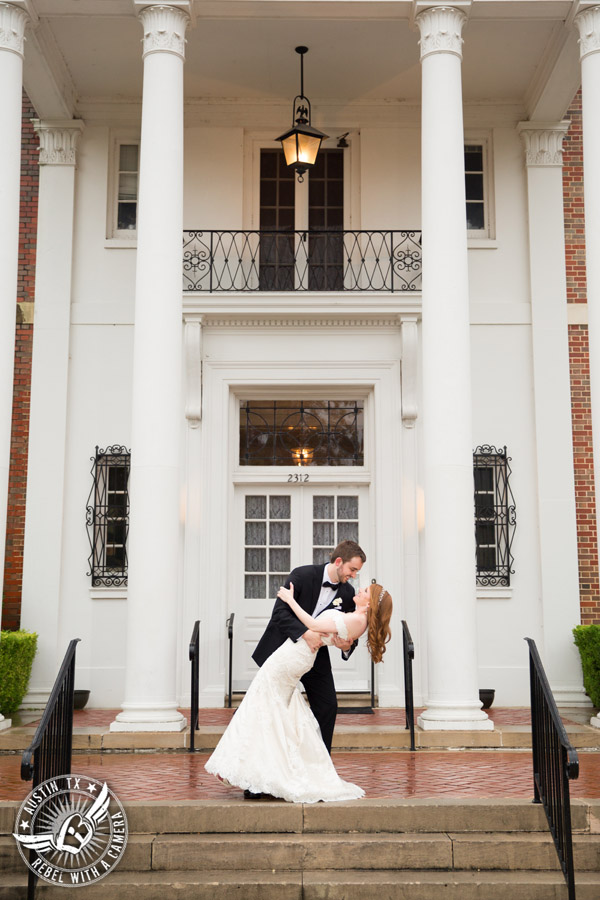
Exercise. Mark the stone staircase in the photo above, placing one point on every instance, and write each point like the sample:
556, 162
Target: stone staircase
365, 850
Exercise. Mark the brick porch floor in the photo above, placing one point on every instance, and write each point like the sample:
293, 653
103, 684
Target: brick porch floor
425, 774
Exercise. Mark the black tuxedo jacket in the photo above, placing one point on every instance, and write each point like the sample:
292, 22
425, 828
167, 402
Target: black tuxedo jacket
307, 581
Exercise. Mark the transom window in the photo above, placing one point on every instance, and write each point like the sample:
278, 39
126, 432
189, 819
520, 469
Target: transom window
301, 433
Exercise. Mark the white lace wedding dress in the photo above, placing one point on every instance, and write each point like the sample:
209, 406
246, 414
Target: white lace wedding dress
273, 743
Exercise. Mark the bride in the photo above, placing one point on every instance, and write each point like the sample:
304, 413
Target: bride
273, 743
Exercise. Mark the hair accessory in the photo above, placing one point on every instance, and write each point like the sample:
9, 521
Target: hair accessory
381, 596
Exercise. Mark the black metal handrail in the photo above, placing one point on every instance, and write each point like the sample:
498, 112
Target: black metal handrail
409, 703
229, 625
555, 762
194, 655
310, 260
49, 754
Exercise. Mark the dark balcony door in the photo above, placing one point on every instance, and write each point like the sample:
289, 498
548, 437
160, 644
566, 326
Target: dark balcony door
326, 222
277, 213
312, 259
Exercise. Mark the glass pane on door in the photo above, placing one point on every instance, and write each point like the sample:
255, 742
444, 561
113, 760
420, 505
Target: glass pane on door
267, 544
335, 519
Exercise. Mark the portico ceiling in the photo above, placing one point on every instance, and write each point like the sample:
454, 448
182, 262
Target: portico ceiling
516, 51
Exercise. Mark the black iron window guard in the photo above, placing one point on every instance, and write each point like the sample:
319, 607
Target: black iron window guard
409, 703
107, 516
194, 653
49, 754
555, 763
495, 516
311, 260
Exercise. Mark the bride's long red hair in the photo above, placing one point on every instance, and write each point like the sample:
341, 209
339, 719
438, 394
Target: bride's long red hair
378, 622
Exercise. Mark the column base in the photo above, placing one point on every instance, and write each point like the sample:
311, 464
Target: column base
574, 696
149, 718
463, 717
595, 721
5, 723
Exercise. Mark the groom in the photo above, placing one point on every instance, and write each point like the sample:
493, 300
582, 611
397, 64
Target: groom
316, 588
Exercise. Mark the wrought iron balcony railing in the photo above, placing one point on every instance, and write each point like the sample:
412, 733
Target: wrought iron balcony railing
312, 260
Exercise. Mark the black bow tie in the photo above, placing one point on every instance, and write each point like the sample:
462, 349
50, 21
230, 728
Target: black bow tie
329, 584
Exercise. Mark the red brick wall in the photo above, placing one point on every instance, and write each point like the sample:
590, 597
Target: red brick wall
13, 571
589, 587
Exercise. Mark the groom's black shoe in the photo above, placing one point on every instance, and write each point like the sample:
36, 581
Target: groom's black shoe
250, 795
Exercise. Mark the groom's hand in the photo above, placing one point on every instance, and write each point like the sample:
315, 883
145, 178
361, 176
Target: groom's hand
340, 643
313, 639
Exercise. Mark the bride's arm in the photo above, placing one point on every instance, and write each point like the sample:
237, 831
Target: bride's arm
323, 625
355, 623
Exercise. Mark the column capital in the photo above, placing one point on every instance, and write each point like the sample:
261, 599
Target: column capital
164, 30
588, 25
58, 140
441, 30
13, 20
543, 142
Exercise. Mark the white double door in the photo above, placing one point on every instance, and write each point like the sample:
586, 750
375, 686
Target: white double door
278, 528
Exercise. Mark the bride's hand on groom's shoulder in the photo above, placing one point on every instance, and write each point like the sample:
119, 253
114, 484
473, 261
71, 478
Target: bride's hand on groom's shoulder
286, 594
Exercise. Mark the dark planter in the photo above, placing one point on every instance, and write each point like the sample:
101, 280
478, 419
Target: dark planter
486, 695
80, 698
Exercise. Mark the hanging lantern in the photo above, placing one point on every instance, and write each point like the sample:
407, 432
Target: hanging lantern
302, 142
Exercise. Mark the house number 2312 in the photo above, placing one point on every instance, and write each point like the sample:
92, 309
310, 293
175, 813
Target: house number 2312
298, 477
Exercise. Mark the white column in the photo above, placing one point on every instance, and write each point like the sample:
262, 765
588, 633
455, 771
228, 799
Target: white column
554, 433
150, 688
453, 697
12, 36
588, 23
49, 386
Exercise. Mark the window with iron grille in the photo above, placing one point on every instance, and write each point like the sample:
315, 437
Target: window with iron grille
495, 516
107, 516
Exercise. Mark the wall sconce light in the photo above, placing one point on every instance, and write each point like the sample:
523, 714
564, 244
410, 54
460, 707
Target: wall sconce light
302, 142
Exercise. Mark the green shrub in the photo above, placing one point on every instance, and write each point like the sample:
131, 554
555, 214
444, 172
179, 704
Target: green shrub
17, 650
587, 638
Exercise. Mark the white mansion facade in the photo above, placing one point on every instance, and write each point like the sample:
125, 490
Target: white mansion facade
342, 357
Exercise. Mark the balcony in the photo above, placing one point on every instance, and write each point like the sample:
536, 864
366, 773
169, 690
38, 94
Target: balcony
312, 260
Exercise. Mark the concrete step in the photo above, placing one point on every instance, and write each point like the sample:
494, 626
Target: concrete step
320, 885
360, 816
304, 852
360, 737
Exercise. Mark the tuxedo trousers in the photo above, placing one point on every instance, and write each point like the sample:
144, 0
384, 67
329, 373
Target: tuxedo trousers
320, 693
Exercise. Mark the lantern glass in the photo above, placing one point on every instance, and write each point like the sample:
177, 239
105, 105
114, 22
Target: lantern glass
308, 147
300, 148
290, 149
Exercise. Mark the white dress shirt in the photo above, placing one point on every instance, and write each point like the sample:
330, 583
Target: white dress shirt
327, 594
